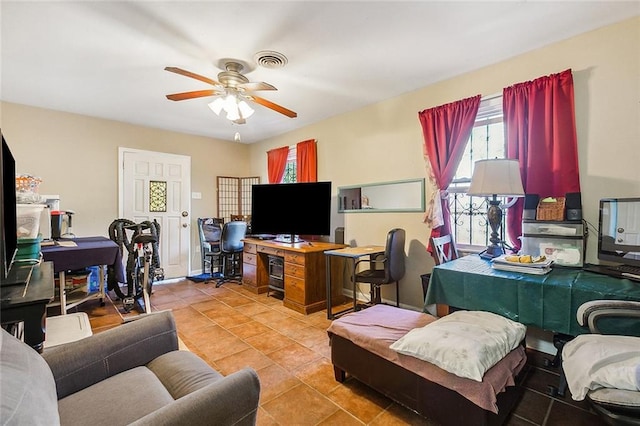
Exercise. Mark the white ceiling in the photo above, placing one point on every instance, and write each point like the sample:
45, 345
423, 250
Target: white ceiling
106, 59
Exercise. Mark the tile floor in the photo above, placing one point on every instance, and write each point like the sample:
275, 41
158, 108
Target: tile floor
231, 328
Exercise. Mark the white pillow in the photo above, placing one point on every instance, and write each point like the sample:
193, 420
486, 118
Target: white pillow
594, 361
465, 343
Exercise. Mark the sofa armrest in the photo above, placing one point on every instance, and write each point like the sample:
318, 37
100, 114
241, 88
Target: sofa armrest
83, 363
232, 400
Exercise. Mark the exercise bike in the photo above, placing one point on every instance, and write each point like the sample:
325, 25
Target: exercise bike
143, 262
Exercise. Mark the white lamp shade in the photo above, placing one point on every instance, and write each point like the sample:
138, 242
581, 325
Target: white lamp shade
245, 109
235, 109
216, 106
496, 177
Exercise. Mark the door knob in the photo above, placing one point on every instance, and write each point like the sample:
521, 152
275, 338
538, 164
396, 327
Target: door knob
184, 225
185, 213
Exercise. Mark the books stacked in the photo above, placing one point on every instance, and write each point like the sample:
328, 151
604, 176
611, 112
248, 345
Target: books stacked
537, 268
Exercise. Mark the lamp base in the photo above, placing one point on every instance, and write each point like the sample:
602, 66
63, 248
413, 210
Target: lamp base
491, 252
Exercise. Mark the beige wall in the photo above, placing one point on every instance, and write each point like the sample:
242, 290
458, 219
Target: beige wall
77, 155
383, 141
77, 158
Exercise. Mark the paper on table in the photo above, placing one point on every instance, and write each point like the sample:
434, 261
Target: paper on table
66, 243
523, 269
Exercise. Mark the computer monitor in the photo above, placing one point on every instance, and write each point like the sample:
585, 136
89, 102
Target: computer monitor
619, 231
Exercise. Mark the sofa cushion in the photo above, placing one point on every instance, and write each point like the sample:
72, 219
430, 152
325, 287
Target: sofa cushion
120, 399
183, 372
28, 389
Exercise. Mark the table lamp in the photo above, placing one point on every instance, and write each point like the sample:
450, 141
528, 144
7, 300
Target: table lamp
493, 178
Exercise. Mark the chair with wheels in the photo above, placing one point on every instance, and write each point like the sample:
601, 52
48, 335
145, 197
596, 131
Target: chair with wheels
605, 369
209, 230
243, 217
386, 270
229, 255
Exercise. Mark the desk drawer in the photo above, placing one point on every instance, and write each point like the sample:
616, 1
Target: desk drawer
249, 248
249, 258
294, 289
294, 270
249, 275
271, 250
293, 257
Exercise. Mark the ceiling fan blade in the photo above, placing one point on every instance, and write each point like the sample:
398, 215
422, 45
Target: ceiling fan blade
254, 86
275, 107
191, 95
192, 75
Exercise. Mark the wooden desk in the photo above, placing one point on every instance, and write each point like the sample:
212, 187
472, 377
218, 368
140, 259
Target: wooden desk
28, 303
304, 272
353, 253
549, 302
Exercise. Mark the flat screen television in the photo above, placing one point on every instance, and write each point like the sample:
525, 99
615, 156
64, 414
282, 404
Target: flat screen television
8, 210
619, 231
291, 209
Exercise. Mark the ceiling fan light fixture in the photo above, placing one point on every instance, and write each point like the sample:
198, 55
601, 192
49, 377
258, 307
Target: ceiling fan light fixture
216, 106
245, 109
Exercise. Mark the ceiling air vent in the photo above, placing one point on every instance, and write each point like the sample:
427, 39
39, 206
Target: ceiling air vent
270, 59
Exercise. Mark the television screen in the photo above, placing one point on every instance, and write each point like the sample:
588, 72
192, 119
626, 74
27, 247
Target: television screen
619, 231
291, 208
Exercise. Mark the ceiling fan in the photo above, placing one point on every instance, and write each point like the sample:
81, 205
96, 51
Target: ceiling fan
233, 90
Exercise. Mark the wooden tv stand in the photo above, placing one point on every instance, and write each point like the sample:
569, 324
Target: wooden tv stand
304, 272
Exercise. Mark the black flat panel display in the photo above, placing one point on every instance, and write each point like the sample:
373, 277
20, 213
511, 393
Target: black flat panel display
291, 208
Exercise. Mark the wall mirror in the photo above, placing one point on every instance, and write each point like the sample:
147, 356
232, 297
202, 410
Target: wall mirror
397, 196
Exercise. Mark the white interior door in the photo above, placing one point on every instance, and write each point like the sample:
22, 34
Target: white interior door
155, 185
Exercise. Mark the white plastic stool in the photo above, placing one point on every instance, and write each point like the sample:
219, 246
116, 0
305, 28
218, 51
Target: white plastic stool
67, 328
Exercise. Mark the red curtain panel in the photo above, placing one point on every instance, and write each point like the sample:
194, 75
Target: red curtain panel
446, 130
540, 132
306, 161
276, 162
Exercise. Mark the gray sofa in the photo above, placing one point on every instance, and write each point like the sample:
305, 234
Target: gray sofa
132, 374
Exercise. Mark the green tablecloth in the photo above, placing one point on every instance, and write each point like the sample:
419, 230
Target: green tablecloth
546, 301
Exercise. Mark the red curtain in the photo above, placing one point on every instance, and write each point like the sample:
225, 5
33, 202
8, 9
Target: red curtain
540, 132
306, 161
276, 162
446, 130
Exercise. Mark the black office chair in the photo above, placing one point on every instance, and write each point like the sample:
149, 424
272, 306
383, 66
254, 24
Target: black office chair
386, 270
209, 231
230, 253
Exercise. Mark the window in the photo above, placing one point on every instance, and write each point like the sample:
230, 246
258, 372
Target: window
290, 169
468, 214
